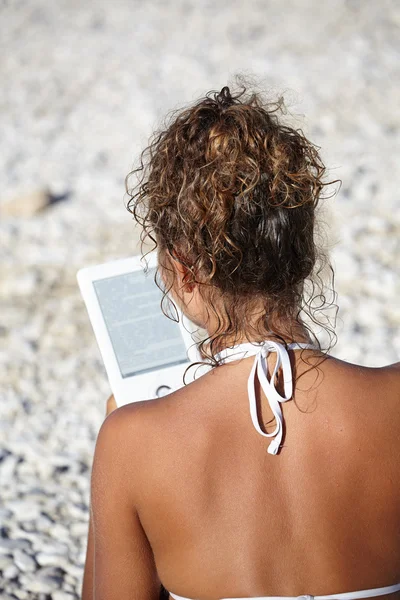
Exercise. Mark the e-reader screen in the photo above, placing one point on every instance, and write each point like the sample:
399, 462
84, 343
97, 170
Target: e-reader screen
143, 338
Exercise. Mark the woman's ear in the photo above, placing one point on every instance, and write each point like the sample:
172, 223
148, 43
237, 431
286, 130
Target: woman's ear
183, 274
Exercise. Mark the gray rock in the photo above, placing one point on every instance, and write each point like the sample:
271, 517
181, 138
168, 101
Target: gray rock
5, 515
7, 544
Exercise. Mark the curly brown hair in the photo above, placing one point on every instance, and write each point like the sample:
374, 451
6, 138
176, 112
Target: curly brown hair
231, 193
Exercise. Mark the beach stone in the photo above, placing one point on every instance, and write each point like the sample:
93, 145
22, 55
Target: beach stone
26, 204
7, 468
21, 594
54, 548
59, 595
70, 588
29, 526
43, 522
23, 561
50, 573
44, 580
73, 571
24, 509
59, 531
52, 560
5, 561
70, 580
10, 572
5, 514
40, 586
7, 544
79, 529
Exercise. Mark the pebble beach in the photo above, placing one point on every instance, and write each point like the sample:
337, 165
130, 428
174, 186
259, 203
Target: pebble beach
84, 86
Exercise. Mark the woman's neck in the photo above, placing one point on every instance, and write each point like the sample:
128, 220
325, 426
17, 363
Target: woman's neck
297, 333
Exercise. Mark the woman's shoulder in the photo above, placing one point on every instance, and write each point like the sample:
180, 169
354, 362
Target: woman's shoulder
393, 368
363, 394
361, 380
391, 374
148, 422
344, 367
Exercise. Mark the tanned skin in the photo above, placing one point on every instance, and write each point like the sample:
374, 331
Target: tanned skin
185, 494
87, 586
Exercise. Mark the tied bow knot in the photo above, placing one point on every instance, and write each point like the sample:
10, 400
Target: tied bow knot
274, 398
260, 370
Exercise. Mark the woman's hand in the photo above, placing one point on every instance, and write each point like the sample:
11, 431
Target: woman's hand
110, 405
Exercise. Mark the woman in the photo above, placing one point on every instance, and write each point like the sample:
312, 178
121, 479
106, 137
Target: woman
194, 491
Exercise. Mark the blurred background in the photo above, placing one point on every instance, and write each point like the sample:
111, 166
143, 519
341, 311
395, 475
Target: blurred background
83, 86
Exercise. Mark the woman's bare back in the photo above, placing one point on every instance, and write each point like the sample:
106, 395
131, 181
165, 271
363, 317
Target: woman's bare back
227, 519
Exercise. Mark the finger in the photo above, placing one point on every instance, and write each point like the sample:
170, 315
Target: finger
110, 405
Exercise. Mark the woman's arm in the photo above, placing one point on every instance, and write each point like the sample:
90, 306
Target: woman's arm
120, 562
87, 586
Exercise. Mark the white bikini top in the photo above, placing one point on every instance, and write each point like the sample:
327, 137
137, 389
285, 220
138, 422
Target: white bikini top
344, 596
274, 398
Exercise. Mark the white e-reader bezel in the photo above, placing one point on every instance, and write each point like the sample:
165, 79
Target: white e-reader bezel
140, 386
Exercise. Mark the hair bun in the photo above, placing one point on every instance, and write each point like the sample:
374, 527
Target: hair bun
224, 97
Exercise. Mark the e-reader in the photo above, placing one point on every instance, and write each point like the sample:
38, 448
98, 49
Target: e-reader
145, 353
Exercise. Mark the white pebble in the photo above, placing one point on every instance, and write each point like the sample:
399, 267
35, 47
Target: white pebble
54, 548
10, 572
62, 596
39, 586
21, 594
5, 561
79, 529
23, 561
7, 468
46, 560
25, 510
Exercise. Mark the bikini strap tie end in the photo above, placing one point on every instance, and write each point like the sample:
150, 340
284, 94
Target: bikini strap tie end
273, 448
